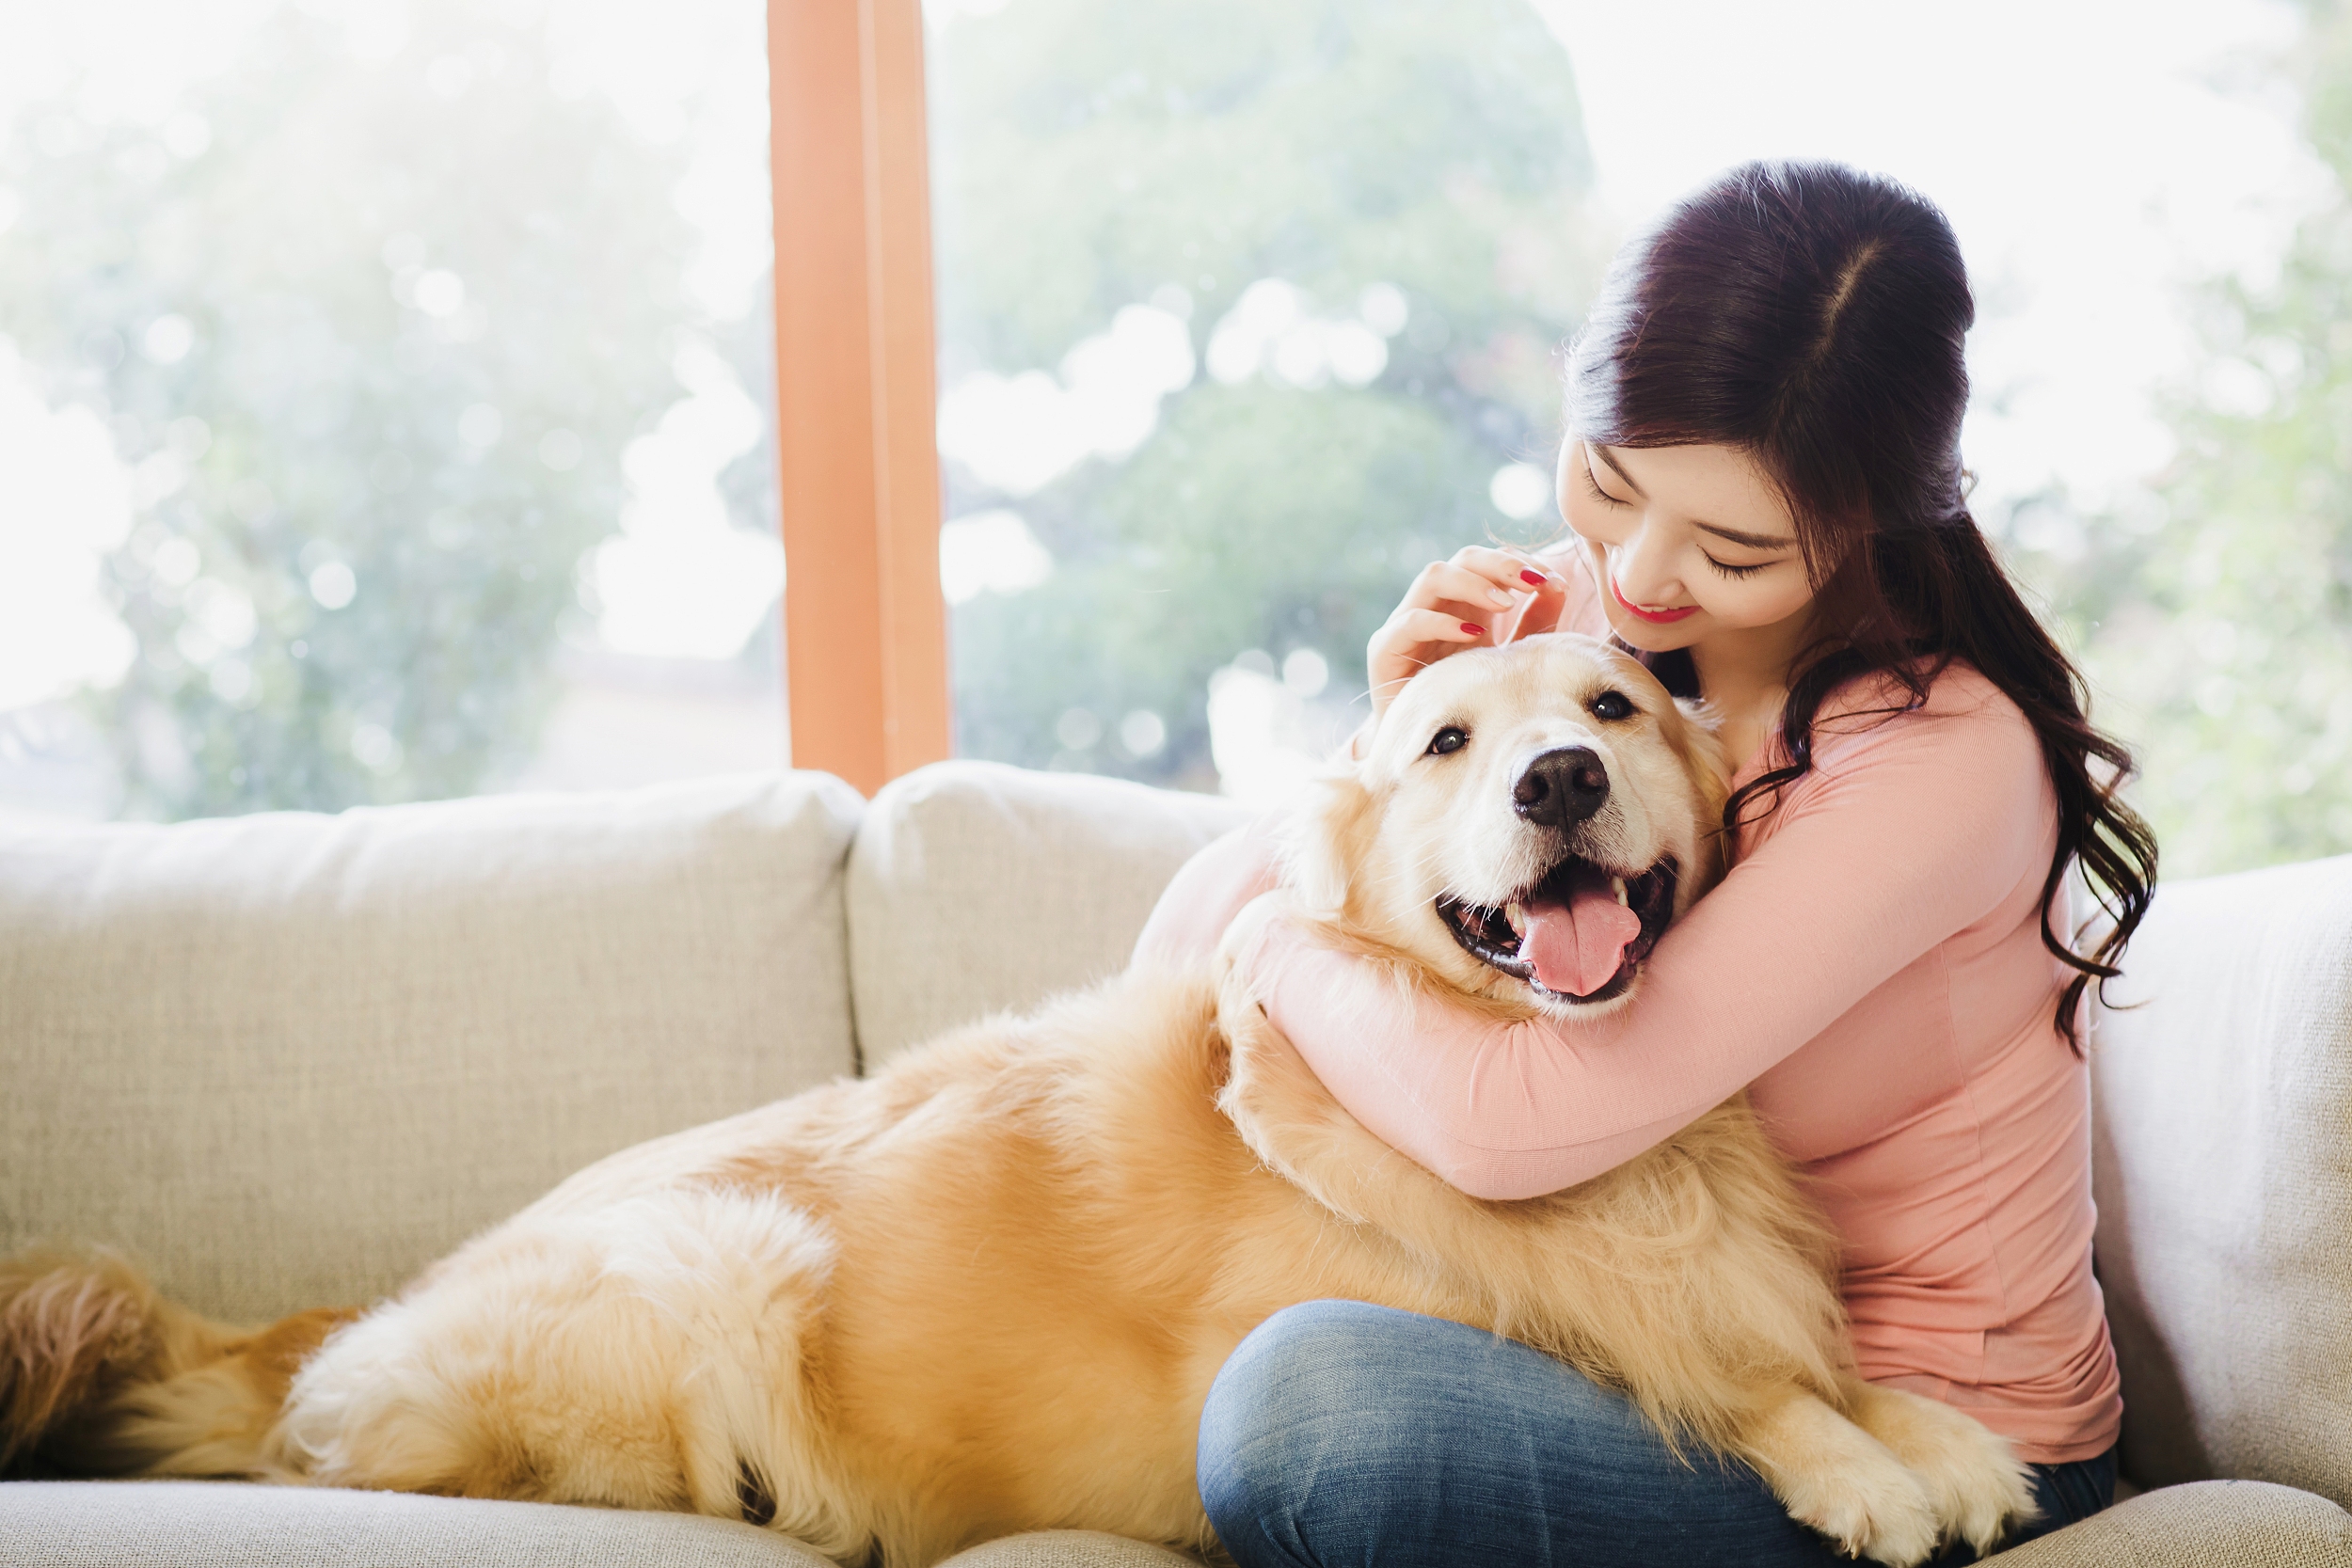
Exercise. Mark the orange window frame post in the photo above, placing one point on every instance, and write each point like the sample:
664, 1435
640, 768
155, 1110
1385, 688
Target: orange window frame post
864, 624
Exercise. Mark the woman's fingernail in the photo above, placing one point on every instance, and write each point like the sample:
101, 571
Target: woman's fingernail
1474, 632
1536, 579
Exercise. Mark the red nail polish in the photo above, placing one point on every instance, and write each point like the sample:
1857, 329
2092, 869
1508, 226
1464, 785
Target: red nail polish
1535, 578
1474, 632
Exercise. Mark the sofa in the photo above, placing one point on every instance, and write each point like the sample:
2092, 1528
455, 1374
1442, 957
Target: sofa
287, 1059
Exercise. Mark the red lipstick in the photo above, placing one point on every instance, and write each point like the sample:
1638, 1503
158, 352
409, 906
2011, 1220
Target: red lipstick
1655, 617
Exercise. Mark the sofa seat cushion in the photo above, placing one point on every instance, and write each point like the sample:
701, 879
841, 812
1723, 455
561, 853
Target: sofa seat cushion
2214, 1524
191, 1524
2223, 1172
205, 1524
287, 1059
975, 888
201, 1524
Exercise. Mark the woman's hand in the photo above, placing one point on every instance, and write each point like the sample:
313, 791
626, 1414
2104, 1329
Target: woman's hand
1479, 598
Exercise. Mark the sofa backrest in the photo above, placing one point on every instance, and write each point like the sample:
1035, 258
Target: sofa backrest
2223, 1114
287, 1059
975, 888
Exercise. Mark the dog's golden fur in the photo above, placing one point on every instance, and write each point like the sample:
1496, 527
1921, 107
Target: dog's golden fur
986, 1290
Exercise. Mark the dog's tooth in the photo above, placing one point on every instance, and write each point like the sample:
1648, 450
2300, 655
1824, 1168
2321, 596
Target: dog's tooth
1516, 915
1618, 883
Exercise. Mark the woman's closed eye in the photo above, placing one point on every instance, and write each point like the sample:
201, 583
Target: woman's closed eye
1593, 485
1727, 569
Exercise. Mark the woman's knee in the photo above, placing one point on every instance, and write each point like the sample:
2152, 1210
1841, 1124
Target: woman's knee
1328, 1372
1338, 1423
1295, 1375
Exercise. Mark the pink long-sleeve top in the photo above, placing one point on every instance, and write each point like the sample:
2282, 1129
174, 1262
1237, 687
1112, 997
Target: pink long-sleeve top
1872, 971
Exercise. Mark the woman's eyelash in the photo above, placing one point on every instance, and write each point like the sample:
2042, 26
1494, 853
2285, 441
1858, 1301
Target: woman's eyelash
1730, 571
1593, 485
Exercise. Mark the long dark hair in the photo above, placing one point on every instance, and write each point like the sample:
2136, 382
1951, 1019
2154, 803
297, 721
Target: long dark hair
1813, 316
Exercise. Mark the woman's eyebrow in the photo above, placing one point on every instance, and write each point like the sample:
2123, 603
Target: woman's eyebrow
1752, 540
1601, 451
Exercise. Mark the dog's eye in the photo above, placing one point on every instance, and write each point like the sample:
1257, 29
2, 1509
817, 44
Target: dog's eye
1613, 705
1448, 741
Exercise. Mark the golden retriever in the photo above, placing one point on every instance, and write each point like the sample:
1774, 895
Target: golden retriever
986, 1290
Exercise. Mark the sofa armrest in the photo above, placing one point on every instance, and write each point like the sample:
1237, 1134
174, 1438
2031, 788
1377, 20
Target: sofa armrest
2221, 1093
2206, 1523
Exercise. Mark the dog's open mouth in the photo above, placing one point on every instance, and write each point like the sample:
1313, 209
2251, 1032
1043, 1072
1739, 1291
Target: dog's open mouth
1579, 934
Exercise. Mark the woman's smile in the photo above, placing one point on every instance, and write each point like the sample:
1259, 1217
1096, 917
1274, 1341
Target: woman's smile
1655, 617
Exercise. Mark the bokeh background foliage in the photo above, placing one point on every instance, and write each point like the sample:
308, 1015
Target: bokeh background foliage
1092, 157
360, 506
2216, 621
362, 501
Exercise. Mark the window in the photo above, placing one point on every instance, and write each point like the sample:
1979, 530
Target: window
387, 393
385, 402
1247, 311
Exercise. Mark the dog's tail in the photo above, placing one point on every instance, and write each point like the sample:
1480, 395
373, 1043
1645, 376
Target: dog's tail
102, 1377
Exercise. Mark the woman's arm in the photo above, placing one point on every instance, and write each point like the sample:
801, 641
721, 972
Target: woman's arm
1903, 835
1208, 891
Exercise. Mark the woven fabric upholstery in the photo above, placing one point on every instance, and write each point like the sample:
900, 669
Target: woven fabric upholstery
2214, 1524
197, 1524
1068, 1548
975, 887
285, 1060
217, 1524
2223, 1158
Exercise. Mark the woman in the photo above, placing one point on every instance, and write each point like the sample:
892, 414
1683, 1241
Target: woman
1763, 482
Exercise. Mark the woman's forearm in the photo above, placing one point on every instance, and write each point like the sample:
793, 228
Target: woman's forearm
1208, 891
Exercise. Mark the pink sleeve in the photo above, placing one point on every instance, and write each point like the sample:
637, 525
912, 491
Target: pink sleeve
1903, 835
1208, 889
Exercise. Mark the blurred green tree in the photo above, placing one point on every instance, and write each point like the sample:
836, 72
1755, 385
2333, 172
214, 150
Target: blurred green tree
375, 329
1089, 158
2218, 623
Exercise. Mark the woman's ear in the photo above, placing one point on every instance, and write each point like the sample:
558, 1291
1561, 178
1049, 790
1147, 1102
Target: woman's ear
1325, 838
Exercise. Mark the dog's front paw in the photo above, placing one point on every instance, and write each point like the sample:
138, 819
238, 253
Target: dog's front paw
1843, 1481
1879, 1511
1977, 1485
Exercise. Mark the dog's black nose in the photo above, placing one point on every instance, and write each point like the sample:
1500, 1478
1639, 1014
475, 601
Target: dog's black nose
1560, 786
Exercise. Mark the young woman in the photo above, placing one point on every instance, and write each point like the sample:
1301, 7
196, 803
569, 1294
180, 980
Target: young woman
1763, 482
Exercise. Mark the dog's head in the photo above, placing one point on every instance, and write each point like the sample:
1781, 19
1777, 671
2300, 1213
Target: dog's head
1526, 822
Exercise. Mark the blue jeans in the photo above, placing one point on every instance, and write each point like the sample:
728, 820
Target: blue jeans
1344, 1433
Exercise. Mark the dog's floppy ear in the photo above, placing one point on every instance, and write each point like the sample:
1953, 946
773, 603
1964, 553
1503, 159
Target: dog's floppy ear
1324, 837
1699, 740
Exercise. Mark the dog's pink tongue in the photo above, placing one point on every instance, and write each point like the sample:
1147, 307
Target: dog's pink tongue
1575, 947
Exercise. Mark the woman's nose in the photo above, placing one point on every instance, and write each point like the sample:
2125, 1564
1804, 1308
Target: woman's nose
1636, 579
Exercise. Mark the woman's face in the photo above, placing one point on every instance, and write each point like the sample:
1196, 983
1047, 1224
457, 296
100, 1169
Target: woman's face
1686, 542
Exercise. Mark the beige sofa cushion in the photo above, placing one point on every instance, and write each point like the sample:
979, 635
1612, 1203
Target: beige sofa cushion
2214, 1524
2223, 1138
199, 1524
975, 887
230, 1525
287, 1059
